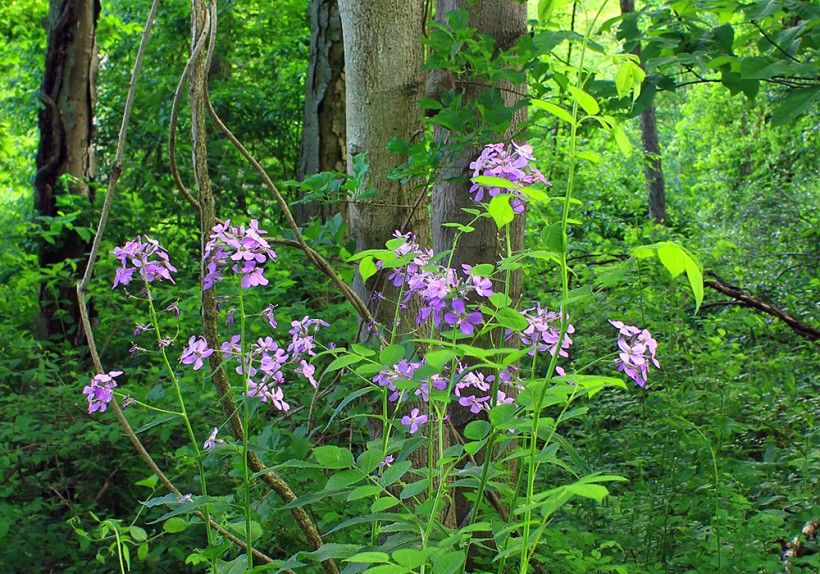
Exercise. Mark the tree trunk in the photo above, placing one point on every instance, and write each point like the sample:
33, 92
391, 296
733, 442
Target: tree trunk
323, 129
383, 79
652, 149
65, 156
506, 22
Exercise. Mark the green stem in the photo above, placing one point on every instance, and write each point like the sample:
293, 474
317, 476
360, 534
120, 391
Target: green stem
182, 412
246, 479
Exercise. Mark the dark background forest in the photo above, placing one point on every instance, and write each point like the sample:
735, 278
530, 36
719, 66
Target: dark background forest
719, 448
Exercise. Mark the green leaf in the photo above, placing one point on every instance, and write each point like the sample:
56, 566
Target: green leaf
391, 355
174, 525
622, 140
410, 557
342, 361
367, 268
137, 533
369, 558
477, 430
383, 503
394, 472
333, 457
628, 79
142, 551
593, 491
414, 489
672, 257
501, 211
695, 276
449, 562
511, 319
364, 491
553, 109
584, 100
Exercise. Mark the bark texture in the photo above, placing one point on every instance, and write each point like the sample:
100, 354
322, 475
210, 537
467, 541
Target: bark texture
383, 79
65, 156
651, 147
323, 133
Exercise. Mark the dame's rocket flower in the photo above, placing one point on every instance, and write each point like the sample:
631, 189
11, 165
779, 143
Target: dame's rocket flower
101, 391
195, 352
148, 258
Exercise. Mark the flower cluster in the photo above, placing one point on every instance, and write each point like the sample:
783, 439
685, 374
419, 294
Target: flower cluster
442, 291
543, 332
245, 250
101, 391
636, 349
507, 162
148, 258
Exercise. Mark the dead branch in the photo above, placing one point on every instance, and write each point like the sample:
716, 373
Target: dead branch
804, 330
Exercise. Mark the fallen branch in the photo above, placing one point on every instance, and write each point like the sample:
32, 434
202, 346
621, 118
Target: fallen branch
748, 300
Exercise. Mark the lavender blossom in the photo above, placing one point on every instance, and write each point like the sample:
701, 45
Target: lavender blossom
507, 162
147, 257
636, 350
101, 391
242, 249
195, 352
414, 420
212, 441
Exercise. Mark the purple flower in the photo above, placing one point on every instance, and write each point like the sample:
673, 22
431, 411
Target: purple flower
475, 403
414, 420
307, 370
134, 349
147, 257
387, 461
459, 317
195, 352
185, 499
633, 346
267, 313
244, 250
101, 391
301, 336
543, 331
507, 162
173, 308
401, 371
128, 401
232, 348
141, 328
212, 440
268, 392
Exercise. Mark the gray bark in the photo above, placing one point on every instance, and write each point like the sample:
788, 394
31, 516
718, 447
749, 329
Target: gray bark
653, 170
66, 123
383, 58
323, 133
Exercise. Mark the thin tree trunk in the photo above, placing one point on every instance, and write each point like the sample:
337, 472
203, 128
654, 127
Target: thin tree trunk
506, 22
383, 58
652, 149
65, 157
323, 130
